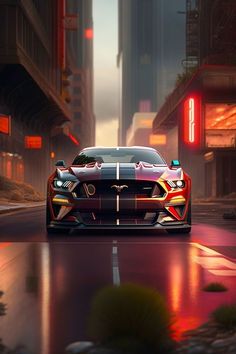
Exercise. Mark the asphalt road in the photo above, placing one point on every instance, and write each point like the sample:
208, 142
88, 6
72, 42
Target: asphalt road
49, 284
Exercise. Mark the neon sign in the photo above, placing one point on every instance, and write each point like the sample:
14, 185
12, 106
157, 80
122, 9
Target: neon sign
88, 33
5, 124
33, 142
191, 121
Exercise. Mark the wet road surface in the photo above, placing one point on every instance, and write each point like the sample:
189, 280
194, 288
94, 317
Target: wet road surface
48, 286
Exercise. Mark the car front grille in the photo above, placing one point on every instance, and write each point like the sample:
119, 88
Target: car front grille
125, 189
138, 218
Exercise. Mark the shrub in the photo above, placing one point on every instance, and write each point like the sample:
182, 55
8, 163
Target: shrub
225, 315
215, 287
2, 313
131, 318
18, 191
2, 306
16, 195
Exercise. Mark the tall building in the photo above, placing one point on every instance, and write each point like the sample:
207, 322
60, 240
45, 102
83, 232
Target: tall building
46, 79
210, 32
30, 82
149, 55
80, 58
201, 112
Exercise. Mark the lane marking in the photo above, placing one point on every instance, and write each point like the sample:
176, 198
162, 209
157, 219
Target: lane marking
115, 265
118, 170
114, 250
117, 203
222, 272
215, 260
206, 249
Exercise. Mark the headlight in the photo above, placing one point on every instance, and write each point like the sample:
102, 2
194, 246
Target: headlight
176, 184
180, 184
57, 183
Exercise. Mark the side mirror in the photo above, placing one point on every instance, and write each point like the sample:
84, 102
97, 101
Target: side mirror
175, 164
60, 163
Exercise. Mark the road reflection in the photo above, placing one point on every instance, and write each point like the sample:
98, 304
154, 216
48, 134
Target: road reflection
48, 287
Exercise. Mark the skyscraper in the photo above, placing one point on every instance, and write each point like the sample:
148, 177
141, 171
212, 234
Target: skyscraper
80, 57
150, 51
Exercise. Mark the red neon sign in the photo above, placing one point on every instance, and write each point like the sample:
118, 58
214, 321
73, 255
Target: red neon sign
5, 124
192, 121
88, 33
33, 142
72, 138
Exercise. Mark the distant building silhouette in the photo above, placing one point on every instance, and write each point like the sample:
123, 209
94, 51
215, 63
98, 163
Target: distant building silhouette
151, 47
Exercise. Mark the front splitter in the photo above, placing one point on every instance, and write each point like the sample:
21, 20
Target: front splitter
66, 226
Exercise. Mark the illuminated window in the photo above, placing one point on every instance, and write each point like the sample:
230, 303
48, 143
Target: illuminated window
157, 139
33, 142
9, 168
220, 125
145, 106
5, 124
88, 33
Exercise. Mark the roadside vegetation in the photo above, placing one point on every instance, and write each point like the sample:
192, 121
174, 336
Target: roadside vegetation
185, 76
2, 313
225, 316
132, 319
17, 191
215, 287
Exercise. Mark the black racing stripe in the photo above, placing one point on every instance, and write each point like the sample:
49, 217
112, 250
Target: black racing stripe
108, 171
127, 172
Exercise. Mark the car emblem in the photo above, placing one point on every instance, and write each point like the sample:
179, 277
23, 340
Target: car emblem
119, 188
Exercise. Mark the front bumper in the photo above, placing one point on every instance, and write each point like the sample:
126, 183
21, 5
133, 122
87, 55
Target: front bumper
79, 226
168, 212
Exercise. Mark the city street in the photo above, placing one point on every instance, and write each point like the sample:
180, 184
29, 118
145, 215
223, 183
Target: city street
49, 283
117, 114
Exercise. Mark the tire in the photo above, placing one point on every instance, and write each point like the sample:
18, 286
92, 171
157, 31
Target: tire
189, 215
54, 230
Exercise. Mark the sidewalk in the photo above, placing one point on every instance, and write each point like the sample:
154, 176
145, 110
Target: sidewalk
228, 202
6, 207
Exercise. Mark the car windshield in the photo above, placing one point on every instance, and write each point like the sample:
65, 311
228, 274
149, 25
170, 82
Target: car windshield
125, 155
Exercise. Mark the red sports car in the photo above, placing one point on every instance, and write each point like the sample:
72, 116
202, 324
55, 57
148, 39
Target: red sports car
119, 187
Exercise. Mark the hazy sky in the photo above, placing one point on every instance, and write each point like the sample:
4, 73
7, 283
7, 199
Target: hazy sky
105, 71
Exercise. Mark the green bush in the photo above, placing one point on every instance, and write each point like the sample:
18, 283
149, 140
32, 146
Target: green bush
225, 315
215, 287
131, 318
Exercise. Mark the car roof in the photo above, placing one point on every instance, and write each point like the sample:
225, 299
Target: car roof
119, 147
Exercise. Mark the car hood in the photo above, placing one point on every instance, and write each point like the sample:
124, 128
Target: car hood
122, 171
